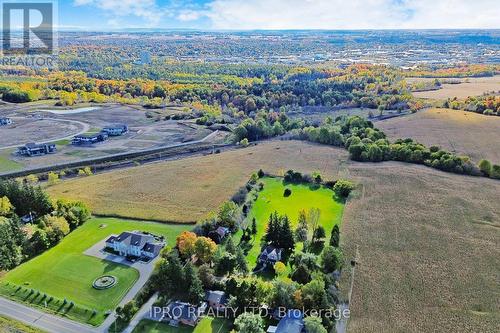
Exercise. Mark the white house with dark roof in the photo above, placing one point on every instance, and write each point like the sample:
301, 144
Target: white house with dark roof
135, 244
270, 255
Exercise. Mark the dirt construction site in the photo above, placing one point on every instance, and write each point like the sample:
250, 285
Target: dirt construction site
44, 124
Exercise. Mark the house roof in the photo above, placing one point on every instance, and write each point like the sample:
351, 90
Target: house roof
111, 239
116, 126
215, 296
222, 231
184, 311
152, 248
270, 252
134, 239
293, 322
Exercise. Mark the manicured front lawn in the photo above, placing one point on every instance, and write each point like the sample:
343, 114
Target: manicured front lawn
303, 196
206, 325
64, 272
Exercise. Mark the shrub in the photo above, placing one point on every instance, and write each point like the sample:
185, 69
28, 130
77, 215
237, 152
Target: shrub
343, 188
261, 173
287, 193
244, 142
495, 172
485, 167
240, 196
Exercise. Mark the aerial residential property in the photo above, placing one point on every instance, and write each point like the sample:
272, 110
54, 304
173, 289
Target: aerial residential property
184, 313
270, 255
89, 139
115, 130
33, 149
250, 166
135, 244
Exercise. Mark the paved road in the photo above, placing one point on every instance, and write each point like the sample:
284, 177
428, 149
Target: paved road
141, 314
85, 129
42, 320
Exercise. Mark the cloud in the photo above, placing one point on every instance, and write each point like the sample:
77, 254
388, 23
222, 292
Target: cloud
353, 14
147, 10
307, 14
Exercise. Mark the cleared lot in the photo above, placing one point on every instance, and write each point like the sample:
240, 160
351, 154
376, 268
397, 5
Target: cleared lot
42, 124
467, 87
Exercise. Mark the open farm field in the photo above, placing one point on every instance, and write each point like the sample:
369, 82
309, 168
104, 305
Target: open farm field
461, 132
65, 273
178, 191
426, 241
426, 244
473, 86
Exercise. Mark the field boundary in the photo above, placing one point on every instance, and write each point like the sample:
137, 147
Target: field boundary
128, 218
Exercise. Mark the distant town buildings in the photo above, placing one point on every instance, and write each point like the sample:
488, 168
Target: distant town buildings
89, 139
115, 130
5, 121
33, 149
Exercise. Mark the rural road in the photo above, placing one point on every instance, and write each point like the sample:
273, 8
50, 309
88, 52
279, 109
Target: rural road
42, 320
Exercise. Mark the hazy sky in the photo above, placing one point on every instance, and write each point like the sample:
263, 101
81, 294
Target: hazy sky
279, 14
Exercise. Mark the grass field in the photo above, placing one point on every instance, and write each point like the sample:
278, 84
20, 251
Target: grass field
64, 272
8, 325
426, 240
186, 190
6, 164
465, 133
468, 87
271, 199
206, 325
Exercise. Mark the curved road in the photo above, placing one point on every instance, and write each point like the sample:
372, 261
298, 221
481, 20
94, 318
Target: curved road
85, 126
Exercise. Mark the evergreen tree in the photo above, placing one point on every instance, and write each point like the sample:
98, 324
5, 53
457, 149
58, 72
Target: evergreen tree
254, 226
241, 261
286, 240
335, 237
230, 247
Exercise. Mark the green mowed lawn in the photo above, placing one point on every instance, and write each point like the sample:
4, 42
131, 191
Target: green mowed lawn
64, 272
206, 325
6, 164
304, 196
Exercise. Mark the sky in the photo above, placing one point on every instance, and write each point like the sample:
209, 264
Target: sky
278, 14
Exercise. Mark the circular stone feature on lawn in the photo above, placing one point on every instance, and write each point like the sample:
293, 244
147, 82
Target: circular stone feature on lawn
104, 282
